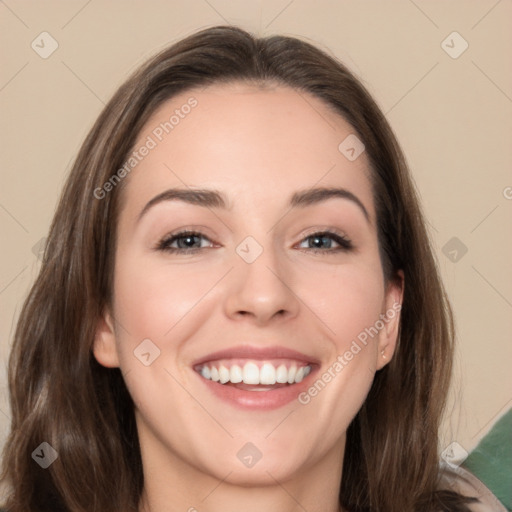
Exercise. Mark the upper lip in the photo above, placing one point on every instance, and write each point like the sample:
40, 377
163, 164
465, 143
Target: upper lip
257, 353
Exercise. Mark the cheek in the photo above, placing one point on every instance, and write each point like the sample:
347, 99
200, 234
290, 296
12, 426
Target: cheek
166, 305
348, 302
347, 299
152, 299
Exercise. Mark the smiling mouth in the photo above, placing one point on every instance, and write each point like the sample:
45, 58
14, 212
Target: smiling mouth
255, 375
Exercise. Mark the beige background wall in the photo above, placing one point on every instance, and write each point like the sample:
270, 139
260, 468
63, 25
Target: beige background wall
453, 117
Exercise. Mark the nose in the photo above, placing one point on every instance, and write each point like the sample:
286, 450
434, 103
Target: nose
262, 290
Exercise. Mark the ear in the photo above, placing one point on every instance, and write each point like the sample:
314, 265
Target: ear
104, 346
390, 316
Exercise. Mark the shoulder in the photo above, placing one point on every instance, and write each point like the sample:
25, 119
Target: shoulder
465, 483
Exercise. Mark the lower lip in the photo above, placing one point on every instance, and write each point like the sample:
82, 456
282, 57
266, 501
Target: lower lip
257, 400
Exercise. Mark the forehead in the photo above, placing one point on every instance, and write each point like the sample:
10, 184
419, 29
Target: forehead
258, 142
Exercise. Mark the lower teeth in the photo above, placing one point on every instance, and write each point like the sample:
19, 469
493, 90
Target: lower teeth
255, 387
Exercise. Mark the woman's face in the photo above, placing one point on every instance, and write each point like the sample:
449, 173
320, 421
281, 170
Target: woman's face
280, 287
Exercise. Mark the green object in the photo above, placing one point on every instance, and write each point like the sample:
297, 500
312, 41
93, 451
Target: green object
491, 460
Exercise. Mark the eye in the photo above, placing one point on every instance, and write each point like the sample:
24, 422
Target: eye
184, 241
190, 241
318, 240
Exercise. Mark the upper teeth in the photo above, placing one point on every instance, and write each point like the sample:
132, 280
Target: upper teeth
251, 373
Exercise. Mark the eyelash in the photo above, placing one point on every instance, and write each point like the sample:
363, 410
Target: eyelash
345, 244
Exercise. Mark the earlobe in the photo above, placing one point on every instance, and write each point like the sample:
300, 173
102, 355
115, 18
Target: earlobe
104, 345
388, 337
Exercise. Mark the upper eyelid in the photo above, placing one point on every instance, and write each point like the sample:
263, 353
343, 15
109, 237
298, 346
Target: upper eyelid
185, 232
193, 232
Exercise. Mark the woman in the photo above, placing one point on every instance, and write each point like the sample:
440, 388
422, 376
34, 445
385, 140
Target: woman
238, 305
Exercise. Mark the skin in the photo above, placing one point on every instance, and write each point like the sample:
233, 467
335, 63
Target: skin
257, 146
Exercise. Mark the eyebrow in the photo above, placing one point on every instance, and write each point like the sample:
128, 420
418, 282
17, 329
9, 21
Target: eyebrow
209, 198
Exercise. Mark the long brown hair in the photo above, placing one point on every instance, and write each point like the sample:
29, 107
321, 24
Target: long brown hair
59, 394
